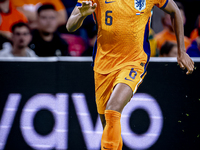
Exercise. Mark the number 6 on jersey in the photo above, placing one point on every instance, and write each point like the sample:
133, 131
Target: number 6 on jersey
108, 18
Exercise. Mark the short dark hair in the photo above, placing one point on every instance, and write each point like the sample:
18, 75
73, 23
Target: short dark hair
19, 24
45, 7
167, 47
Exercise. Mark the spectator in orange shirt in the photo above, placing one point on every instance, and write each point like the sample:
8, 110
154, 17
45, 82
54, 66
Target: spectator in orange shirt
29, 8
168, 33
9, 16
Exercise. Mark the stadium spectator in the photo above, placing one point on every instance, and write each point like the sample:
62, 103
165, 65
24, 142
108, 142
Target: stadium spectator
169, 49
194, 34
194, 49
168, 33
8, 16
29, 8
46, 41
20, 39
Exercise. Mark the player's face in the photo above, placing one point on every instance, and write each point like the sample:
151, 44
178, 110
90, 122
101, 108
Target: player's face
21, 37
47, 21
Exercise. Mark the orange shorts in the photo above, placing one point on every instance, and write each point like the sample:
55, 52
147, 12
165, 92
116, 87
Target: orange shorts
105, 83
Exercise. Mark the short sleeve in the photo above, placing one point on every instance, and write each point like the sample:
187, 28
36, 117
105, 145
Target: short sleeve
161, 3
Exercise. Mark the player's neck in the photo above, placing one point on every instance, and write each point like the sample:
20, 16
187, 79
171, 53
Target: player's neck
46, 36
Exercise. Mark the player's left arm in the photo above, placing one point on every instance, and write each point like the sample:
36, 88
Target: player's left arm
183, 58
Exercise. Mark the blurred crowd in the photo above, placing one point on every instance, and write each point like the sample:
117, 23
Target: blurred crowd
36, 28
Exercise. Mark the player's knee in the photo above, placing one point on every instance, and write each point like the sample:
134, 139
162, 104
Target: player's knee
114, 107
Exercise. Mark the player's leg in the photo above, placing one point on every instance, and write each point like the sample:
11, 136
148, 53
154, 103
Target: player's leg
120, 82
126, 83
111, 137
120, 96
103, 89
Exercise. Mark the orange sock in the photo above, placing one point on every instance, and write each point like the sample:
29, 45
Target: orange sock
120, 144
112, 133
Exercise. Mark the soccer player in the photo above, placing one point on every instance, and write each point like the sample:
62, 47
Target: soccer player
122, 54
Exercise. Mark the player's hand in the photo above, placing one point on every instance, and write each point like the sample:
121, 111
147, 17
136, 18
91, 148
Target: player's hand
185, 61
87, 8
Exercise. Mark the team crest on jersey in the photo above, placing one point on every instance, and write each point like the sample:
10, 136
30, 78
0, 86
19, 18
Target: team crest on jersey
140, 4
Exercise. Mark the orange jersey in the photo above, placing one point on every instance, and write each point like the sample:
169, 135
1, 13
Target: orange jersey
123, 29
32, 5
165, 35
8, 19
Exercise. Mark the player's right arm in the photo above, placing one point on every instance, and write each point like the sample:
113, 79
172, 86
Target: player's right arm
79, 14
183, 58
